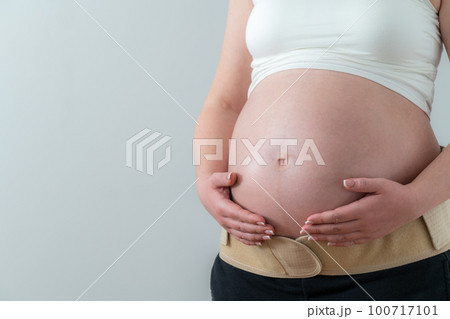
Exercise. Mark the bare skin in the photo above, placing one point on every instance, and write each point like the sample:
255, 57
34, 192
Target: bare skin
361, 129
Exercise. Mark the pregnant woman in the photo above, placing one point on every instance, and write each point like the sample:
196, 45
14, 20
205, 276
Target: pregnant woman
331, 184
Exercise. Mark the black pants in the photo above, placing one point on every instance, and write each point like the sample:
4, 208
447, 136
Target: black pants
427, 279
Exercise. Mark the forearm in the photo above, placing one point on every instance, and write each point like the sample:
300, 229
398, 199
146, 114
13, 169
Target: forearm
432, 185
214, 122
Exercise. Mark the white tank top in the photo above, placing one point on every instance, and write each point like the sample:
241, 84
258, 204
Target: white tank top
396, 43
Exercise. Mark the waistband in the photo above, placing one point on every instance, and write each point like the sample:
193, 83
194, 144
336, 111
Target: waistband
283, 257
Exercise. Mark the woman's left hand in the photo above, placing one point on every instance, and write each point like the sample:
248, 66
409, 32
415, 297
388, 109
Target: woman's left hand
387, 206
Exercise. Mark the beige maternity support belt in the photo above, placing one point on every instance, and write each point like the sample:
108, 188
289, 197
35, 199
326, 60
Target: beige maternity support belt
283, 257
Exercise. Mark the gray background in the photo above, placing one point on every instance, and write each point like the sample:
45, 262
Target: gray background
69, 99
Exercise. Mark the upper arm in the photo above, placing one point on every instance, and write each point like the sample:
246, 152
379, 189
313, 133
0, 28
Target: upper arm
444, 24
233, 74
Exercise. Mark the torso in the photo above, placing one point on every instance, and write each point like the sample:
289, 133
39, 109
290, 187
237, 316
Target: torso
361, 129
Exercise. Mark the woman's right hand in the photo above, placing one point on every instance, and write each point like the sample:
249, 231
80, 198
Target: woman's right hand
247, 227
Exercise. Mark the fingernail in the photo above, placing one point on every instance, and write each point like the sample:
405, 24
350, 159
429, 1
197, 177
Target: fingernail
258, 243
260, 223
229, 175
349, 183
312, 238
269, 232
302, 231
331, 244
266, 237
308, 222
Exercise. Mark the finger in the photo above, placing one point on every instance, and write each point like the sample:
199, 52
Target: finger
232, 210
364, 185
249, 228
329, 229
242, 238
223, 179
341, 214
342, 238
248, 236
250, 243
350, 243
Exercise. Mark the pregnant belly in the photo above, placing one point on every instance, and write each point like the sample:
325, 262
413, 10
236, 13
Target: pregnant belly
291, 156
